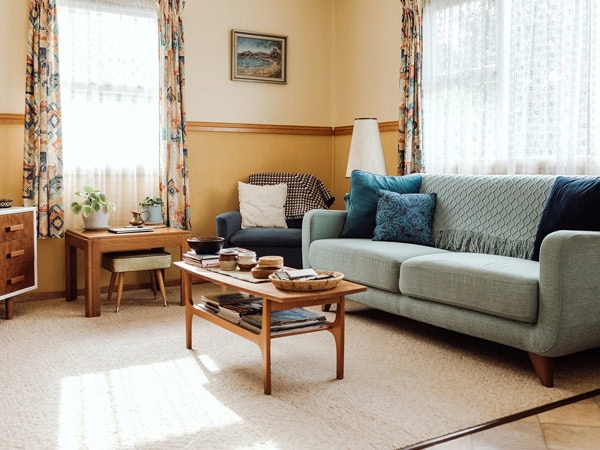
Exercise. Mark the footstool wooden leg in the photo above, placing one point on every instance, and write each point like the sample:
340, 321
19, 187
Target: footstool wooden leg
120, 278
161, 285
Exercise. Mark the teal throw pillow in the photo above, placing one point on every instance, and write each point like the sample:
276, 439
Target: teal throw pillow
573, 204
405, 217
362, 207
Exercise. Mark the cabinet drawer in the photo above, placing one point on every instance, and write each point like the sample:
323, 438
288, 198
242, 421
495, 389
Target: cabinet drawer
17, 277
16, 252
16, 226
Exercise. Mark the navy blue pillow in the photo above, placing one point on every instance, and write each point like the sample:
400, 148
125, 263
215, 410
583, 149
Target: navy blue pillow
573, 204
405, 217
362, 207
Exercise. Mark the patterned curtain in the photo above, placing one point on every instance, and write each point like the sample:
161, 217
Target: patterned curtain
409, 136
42, 155
174, 168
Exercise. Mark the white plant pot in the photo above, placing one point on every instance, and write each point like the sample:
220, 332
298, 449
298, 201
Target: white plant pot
97, 220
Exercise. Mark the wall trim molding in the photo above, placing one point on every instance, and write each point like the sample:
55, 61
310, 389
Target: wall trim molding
225, 127
383, 126
258, 128
12, 119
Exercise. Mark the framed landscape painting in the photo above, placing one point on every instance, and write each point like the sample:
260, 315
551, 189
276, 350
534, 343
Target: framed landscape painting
258, 57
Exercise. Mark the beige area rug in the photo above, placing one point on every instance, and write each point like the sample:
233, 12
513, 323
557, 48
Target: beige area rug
126, 380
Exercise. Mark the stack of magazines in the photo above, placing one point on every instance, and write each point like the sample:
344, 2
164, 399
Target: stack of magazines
246, 310
285, 321
232, 306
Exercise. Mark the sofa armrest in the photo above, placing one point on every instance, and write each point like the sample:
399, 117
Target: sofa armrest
228, 223
320, 224
569, 304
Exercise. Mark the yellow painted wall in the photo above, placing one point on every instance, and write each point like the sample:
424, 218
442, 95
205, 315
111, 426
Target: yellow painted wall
343, 58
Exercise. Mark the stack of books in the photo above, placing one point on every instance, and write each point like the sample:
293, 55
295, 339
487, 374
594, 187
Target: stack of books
232, 306
246, 310
201, 260
285, 321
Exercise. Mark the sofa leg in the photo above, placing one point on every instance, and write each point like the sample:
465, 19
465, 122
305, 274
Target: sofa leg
325, 307
544, 368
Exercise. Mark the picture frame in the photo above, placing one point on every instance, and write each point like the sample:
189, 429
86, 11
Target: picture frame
258, 57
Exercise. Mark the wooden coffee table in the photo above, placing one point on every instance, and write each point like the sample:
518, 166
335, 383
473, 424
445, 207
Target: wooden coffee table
273, 300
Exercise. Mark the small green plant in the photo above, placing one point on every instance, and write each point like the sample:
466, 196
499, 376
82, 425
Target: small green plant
151, 201
94, 201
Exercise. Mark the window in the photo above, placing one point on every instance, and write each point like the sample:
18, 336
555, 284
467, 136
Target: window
109, 75
510, 86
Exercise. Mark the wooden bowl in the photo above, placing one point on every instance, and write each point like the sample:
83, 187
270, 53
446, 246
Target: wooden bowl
309, 285
263, 272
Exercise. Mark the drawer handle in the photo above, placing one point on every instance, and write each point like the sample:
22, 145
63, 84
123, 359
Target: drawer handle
17, 280
16, 253
16, 227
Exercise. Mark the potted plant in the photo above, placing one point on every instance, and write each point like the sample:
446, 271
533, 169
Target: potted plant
153, 206
94, 208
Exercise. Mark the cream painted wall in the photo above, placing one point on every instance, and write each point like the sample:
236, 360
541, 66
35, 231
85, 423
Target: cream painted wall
367, 57
212, 96
13, 48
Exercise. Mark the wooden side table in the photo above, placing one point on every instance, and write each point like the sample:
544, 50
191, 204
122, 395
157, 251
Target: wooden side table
94, 243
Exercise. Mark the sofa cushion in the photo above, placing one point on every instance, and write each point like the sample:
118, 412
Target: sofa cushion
404, 217
573, 204
274, 237
360, 220
498, 285
262, 206
372, 263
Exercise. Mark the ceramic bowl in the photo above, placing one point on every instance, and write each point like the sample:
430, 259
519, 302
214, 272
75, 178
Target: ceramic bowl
5, 203
206, 245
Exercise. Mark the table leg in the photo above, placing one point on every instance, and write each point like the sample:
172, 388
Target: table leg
186, 283
265, 345
92, 280
338, 334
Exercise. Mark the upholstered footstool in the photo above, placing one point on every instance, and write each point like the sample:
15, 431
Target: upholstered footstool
153, 261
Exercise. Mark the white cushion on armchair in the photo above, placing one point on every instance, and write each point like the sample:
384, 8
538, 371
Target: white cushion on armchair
262, 206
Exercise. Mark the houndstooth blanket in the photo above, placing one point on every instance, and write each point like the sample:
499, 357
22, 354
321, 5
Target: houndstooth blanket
304, 191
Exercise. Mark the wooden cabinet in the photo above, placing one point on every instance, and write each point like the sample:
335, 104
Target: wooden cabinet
18, 253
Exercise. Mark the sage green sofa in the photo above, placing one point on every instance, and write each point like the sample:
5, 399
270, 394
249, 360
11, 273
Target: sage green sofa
478, 277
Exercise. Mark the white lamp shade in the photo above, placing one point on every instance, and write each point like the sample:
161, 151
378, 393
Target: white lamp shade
366, 152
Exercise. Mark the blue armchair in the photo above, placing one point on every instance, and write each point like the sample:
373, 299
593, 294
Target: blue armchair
305, 192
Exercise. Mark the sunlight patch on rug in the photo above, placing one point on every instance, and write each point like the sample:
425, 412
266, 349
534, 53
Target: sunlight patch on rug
138, 405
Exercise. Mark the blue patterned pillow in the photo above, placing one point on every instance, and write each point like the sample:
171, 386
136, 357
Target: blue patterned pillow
404, 217
362, 205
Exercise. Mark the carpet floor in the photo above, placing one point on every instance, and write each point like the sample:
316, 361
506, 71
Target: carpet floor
126, 380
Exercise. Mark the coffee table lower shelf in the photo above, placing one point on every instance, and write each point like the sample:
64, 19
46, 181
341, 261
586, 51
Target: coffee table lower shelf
273, 300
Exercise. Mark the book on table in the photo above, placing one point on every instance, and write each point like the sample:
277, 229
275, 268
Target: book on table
201, 260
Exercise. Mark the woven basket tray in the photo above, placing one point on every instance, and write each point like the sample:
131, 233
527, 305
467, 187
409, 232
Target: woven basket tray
308, 285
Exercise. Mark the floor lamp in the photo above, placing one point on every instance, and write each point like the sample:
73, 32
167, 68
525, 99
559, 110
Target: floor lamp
366, 152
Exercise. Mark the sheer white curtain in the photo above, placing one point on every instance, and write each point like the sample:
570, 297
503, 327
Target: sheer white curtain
109, 68
510, 86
